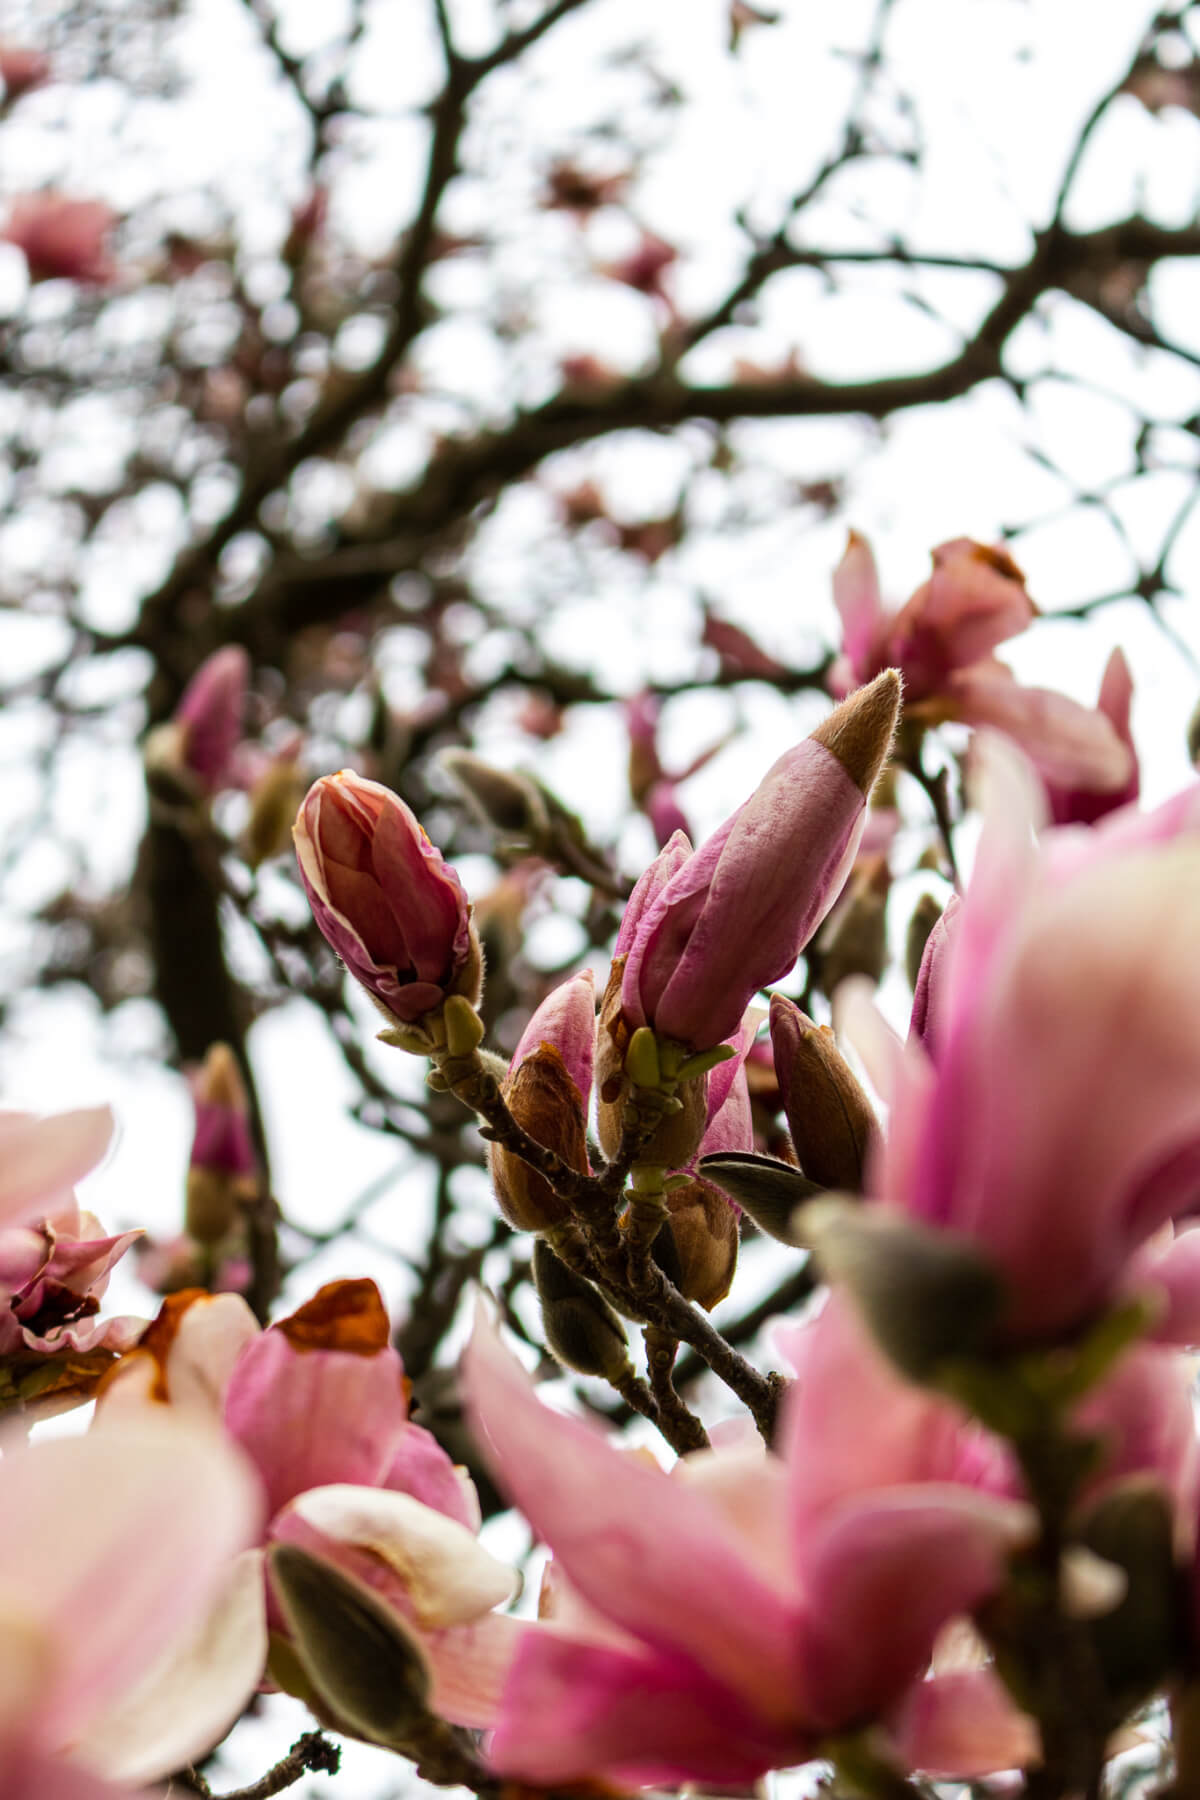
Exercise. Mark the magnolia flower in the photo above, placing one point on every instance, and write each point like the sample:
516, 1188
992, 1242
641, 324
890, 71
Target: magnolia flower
384, 899
1051, 1113
942, 641
62, 239
42, 1159
728, 1619
318, 1405
119, 1592
703, 932
1080, 804
54, 1269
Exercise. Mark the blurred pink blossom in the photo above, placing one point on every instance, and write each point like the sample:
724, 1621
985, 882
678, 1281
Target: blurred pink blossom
724, 1620
318, 1405
1052, 1111
63, 239
117, 1580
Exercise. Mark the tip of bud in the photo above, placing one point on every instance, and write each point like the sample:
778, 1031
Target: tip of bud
859, 732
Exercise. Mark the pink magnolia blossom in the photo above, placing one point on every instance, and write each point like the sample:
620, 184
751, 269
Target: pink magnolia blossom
974, 600
1080, 804
54, 1269
318, 1405
63, 239
42, 1159
21, 69
942, 641
726, 1620
548, 1089
381, 894
1057, 1121
118, 1586
702, 933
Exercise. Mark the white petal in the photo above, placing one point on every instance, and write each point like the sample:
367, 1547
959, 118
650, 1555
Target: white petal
448, 1575
188, 1701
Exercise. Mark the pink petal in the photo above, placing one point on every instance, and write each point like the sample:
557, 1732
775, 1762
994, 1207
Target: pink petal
628, 1537
309, 1418
471, 1664
856, 596
963, 1724
115, 1581
574, 1710
851, 1423
30, 1775
883, 1577
189, 1699
422, 1468
1072, 745
566, 1020
42, 1159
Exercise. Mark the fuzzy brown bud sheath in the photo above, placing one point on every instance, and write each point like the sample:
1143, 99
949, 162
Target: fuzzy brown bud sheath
380, 892
703, 932
832, 1123
705, 1229
546, 1090
582, 1330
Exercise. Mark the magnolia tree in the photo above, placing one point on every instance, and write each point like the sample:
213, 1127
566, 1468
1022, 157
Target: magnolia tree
445, 460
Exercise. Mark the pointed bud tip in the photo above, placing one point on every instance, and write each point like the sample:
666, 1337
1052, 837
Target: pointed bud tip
859, 731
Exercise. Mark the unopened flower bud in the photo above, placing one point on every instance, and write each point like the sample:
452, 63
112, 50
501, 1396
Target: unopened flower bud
769, 1191
509, 802
707, 930
223, 1174
675, 1141
210, 716
364, 1664
547, 1089
582, 1330
1131, 1527
831, 1120
385, 900
925, 915
273, 802
705, 1229
853, 940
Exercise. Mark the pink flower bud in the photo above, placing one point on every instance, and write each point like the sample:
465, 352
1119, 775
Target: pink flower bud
736, 914
380, 892
547, 1089
210, 716
62, 239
